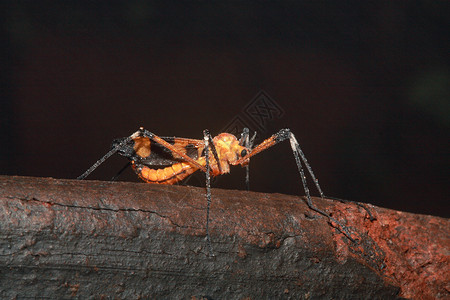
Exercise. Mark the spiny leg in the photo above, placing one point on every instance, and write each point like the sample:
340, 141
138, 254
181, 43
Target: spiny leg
298, 153
208, 141
141, 132
283, 135
295, 144
107, 155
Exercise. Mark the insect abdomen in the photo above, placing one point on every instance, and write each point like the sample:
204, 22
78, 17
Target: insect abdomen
168, 175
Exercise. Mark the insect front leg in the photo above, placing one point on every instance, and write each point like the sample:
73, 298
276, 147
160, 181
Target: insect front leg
298, 154
286, 134
295, 145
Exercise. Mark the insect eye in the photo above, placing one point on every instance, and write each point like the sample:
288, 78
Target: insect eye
243, 153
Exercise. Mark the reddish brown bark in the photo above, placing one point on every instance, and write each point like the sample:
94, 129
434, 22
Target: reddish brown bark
66, 238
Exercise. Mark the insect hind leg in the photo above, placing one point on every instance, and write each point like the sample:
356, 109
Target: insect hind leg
116, 147
114, 178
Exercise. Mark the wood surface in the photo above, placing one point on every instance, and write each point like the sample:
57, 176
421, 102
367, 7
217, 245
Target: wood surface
70, 239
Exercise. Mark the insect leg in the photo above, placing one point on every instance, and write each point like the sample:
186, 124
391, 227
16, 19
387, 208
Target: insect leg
371, 216
154, 137
298, 153
141, 132
107, 155
294, 144
207, 138
285, 134
121, 171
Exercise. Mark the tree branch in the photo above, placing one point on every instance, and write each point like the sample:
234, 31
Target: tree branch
69, 238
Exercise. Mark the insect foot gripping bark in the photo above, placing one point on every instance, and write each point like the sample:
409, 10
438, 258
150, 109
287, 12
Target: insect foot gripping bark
168, 160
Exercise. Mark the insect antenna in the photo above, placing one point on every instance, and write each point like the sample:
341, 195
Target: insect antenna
244, 136
247, 142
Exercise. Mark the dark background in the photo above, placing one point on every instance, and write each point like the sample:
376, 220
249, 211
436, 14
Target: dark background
364, 86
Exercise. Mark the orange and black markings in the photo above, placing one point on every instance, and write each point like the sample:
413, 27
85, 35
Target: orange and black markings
178, 158
175, 171
168, 175
168, 160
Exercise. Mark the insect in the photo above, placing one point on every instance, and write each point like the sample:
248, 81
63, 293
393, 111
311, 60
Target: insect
167, 160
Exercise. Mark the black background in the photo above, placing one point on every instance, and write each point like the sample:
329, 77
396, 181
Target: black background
363, 85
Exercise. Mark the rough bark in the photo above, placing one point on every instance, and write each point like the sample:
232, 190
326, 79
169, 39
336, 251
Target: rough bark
92, 239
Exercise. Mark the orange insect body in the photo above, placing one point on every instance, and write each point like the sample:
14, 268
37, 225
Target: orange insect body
168, 175
169, 160
228, 149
